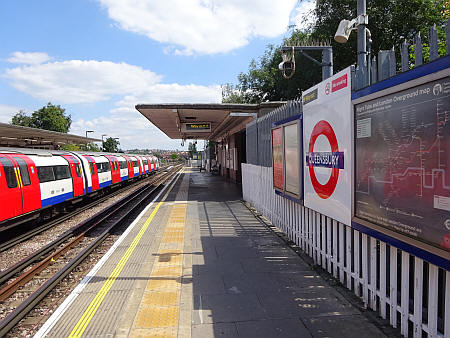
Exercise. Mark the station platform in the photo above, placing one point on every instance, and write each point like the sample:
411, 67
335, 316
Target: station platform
197, 263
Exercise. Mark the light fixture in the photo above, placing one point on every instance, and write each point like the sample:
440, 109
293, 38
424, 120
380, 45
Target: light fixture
345, 27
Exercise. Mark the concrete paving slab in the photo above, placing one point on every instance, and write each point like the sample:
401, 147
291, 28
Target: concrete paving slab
306, 304
226, 308
271, 264
355, 326
283, 328
224, 330
208, 284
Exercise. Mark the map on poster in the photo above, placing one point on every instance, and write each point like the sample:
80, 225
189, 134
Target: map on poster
402, 169
327, 158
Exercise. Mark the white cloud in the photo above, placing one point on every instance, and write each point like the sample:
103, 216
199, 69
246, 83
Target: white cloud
29, 58
121, 84
303, 16
202, 26
77, 81
7, 112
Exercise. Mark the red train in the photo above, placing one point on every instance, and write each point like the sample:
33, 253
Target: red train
33, 180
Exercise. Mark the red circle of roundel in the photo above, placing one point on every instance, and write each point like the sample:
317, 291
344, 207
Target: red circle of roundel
324, 190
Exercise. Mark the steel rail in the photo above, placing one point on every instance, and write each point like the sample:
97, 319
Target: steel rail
25, 307
23, 237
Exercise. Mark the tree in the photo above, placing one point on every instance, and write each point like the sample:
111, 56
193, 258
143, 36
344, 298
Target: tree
111, 145
390, 22
22, 119
174, 156
49, 117
92, 147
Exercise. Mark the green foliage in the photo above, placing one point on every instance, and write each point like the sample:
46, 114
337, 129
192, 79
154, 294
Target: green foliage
174, 156
49, 117
71, 147
22, 119
92, 147
390, 22
111, 145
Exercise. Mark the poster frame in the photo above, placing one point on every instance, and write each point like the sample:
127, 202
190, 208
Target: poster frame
418, 76
298, 120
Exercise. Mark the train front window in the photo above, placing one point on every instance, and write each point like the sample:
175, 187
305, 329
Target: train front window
10, 175
23, 170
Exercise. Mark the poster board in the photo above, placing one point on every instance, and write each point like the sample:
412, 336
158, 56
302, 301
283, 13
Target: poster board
402, 165
277, 158
286, 157
327, 156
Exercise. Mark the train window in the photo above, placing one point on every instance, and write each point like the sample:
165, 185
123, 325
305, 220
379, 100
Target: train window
91, 167
135, 164
78, 170
103, 167
61, 172
23, 170
45, 174
10, 175
123, 165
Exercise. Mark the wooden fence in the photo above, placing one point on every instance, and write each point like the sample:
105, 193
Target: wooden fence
412, 293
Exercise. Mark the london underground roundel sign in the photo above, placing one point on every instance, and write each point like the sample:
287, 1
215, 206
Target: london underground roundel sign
327, 136
333, 159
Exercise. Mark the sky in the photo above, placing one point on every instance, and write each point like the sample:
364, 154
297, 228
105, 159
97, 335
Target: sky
99, 58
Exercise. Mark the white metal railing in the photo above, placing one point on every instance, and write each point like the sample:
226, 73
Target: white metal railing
371, 268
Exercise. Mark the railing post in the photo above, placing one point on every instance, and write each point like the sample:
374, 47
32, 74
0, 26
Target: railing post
433, 43
418, 50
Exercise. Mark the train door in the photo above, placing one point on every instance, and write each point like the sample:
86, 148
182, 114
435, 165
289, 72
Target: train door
77, 177
28, 182
130, 167
115, 170
94, 172
10, 193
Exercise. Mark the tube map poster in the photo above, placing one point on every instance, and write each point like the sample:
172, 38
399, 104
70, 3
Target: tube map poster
402, 173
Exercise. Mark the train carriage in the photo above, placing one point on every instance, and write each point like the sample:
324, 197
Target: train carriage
35, 179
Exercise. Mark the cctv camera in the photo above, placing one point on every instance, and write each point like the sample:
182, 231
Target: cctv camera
286, 66
343, 31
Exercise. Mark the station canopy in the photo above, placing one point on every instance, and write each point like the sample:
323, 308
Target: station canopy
18, 136
203, 121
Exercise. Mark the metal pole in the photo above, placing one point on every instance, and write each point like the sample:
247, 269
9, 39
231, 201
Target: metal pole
327, 63
362, 48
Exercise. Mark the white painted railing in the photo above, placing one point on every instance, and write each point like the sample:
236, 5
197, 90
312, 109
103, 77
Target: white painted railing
352, 257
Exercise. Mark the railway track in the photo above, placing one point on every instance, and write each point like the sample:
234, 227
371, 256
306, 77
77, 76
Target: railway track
36, 230
42, 271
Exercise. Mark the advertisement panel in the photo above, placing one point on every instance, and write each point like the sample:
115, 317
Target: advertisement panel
277, 157
327, 156
292, 154
402, 168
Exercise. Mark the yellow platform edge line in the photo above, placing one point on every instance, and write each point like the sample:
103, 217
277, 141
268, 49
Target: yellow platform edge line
98, 299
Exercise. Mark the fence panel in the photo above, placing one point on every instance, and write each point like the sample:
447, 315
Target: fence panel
375, 271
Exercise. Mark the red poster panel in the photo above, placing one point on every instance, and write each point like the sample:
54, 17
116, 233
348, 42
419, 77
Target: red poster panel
277, 157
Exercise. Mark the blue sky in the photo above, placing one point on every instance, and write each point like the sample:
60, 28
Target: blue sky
98, 58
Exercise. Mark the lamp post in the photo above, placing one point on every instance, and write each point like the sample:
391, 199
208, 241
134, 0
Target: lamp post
103, 143
88, 131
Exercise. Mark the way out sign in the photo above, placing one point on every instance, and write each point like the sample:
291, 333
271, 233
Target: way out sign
327, 155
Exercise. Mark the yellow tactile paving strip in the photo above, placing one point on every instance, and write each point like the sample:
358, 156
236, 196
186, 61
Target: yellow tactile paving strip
159, 310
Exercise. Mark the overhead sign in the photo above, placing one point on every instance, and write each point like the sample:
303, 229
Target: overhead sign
327, 116
200, 127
